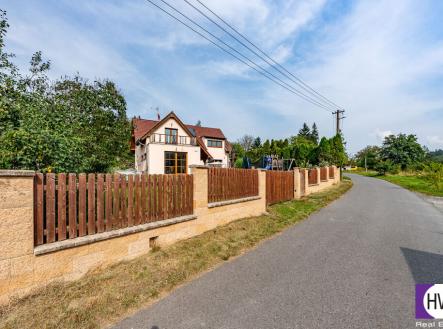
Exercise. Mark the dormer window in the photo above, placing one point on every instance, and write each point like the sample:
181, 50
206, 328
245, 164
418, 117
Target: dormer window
215, 143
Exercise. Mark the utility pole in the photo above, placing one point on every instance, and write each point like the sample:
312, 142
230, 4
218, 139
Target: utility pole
338, 116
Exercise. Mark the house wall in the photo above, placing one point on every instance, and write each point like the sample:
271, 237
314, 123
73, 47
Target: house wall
218, 153
155, 152
156, 156
140, 162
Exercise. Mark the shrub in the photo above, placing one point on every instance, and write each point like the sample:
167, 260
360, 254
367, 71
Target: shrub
434, 174
385, 167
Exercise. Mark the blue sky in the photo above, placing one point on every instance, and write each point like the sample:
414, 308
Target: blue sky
381, 60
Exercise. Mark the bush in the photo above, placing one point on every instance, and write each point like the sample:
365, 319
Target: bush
385, 167
434, 174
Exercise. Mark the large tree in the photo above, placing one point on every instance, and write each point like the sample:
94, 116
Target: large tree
246, 142
402, 150
65, 125
314, 134
305, 131
370, 156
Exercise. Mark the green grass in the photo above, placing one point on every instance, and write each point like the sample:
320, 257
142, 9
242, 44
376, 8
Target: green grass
411, 182
104, 296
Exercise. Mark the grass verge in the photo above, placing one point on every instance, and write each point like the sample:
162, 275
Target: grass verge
411, 182
105, 295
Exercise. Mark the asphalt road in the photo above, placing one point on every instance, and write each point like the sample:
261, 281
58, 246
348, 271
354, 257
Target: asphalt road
351, 265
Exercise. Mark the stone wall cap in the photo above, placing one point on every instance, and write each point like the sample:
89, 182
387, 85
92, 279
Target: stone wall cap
88, 239
17, 173
199, 166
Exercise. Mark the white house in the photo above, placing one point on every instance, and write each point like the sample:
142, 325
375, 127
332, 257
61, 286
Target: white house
168, 146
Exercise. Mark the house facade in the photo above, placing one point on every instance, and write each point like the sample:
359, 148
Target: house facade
168, 146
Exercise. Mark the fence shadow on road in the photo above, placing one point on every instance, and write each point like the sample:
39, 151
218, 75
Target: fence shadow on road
425, 267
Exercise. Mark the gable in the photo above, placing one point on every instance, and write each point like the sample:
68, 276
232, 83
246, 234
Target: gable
172, 124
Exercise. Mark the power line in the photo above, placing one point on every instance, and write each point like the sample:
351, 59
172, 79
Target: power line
301, 94
265, 73
275, 65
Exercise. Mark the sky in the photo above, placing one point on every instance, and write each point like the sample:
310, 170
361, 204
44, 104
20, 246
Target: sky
380, 60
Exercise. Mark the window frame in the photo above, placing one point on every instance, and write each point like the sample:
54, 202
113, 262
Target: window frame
171, 138
212, 141
177, 168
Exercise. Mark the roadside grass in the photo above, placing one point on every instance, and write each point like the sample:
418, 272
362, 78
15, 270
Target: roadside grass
106, 295
410, 181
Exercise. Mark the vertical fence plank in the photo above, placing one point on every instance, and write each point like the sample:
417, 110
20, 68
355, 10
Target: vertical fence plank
130, 200
151, 197
155, 187
81, 204
108, 209
38, 210
72, 185
116, 202
61, 205
165, 197
137, 200
100, 204
91, 204
50, 208
123, 197
143, 198
158, 189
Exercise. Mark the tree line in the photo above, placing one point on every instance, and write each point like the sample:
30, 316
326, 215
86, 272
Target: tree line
304, 148
69, 125
402, 153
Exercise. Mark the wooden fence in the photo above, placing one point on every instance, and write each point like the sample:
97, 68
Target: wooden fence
229, 184
312, 176
324, 174
279, 186
331, 172
67, 206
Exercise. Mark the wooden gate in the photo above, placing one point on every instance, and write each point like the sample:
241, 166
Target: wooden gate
279, 186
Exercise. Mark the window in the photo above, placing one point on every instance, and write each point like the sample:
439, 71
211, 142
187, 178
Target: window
175, 162
171, 135
214, 143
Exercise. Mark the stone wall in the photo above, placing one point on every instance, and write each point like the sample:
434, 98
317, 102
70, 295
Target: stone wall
23, 267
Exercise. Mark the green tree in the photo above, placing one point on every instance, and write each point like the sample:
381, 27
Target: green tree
402, 150
324, 152
304, 131
257, 143
66, 125
370, 154
314, 134
338, 151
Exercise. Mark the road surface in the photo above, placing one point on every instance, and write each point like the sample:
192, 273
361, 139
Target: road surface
351, 265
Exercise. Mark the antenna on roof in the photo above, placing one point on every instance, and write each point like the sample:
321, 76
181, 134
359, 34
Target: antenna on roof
158, 113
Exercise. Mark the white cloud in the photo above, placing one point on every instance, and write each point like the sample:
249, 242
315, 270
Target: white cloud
436, 141
382, 134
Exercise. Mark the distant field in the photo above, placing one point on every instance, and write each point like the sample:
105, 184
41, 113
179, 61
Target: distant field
410, 182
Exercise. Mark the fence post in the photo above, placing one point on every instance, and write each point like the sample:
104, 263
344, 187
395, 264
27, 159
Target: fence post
337, 176
297, 183
262, 188
16, 228
200, 185
318, 175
